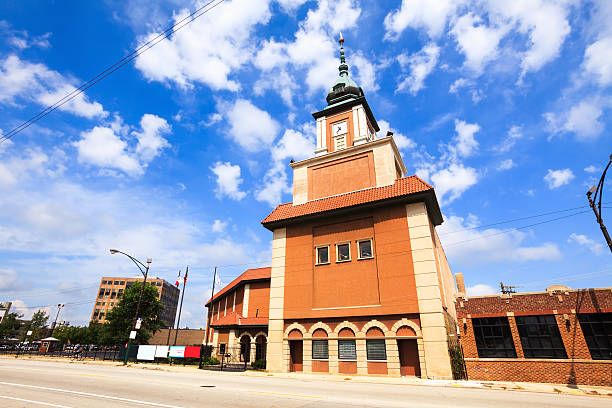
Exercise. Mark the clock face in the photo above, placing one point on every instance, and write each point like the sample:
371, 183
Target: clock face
339, 128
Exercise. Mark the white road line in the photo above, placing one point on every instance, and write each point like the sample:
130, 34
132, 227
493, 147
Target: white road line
154, 404
34, 402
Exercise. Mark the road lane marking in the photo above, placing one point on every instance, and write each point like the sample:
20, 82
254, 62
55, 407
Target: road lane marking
34, 402
285, 395
154, 404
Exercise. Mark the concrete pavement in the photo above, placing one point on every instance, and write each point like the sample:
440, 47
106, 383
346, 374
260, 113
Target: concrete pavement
32, 383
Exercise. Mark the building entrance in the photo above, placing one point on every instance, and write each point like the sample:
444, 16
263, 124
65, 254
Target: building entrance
409, 358
296, 352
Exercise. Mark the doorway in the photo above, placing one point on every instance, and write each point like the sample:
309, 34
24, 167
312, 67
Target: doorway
409, 358
245, 349
296, 355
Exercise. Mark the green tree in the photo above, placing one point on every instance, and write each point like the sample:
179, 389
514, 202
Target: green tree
121, 317
73, 334
10, 325
37, 325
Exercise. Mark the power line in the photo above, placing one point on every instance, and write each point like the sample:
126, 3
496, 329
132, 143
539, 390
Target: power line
567, 278
117, 65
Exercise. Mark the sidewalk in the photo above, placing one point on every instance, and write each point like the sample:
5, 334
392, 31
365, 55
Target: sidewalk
494, 385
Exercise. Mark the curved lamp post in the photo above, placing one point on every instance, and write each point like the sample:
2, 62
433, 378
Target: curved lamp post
144, 272
595, 202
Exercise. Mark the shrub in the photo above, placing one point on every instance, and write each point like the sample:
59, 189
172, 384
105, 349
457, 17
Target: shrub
210, 361
259, 364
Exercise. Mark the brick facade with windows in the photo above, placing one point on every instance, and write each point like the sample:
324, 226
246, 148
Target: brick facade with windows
553, 326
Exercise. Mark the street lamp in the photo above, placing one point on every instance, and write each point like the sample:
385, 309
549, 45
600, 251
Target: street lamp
59, 307
595, 203
144, 272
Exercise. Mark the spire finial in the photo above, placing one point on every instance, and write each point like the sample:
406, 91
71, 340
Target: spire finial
343, 68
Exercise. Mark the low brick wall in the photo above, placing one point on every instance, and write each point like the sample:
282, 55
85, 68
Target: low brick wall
587, 372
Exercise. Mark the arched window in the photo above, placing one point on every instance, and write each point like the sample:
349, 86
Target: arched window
320, 350
375, 344
347, 349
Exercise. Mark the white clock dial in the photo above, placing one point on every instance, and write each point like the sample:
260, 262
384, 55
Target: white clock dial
339, 128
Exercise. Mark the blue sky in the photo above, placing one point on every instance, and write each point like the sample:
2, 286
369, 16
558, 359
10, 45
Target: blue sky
505, 108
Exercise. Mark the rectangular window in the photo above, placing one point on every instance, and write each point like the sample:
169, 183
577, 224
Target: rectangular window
107, 293
493, 337
104, 282
343, 252
540, 337
122, 283
376, 349
119, 292
221, 349
322, 255
116, 282
320, 350
365, 249
597, 330
347, 350
340, 142
113, 294
101, 294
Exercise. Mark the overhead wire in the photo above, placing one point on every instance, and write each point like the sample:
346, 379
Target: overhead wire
117, 65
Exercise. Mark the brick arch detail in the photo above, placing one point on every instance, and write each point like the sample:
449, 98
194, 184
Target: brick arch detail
296, 326
375, 323
347, 325
406, 322
260, 334
320, 325
245, 334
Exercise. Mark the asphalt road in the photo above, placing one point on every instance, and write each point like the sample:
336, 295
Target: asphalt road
30, 383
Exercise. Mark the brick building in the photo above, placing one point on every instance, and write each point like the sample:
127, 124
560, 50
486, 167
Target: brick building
557, 336
111, 289
359, 283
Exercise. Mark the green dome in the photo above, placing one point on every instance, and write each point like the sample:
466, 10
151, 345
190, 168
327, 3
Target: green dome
344, 88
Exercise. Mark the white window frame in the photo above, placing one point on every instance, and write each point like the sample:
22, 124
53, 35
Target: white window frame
317, 255
349, 248
359, 241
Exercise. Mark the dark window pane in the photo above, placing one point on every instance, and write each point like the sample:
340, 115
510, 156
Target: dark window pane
493, 337
320, 350
347, 350
597, 330
323, 255
365, 249
376, 349
540, 337
343, 252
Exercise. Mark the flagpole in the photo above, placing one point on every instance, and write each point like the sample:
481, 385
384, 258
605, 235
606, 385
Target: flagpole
178, 322
175, 312
211, 304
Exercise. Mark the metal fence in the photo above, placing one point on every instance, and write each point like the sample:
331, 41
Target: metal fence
97, 354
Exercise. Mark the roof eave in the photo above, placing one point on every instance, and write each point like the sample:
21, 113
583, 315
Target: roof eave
428, 196
348, 104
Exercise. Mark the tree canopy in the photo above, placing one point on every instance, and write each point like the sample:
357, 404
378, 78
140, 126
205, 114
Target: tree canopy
38, 325
9, 328
121, 317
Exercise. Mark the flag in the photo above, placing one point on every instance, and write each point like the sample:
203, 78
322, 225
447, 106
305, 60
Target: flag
178, 279
186, 272
218, 280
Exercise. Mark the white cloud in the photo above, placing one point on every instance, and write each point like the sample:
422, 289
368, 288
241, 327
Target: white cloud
583, 119
476, 41
480, 289
421, 64
598, 61
430, 16
29, 164
219, 226
8, 279
467, 245
22, 80
506, 165
106, 146
515, 133
580, 239
591, 169
251, 128
465, 143
453, 181
208, 51
403, 142
228, 181
293, 144
458, 84
558, 178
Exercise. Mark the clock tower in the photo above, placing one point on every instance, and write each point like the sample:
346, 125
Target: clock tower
349, 156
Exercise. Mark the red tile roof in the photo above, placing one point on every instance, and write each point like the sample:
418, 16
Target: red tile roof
248, 275
236, 319
402, 187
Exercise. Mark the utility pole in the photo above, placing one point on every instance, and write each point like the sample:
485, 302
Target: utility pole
59, 307
595, 203
506, 289
211, 304
175, 313
181, 307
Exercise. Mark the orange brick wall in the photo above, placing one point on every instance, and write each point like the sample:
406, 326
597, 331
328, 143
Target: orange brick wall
341, 176
259, 298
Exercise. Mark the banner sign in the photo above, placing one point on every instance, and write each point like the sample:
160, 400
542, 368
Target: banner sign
177, 351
